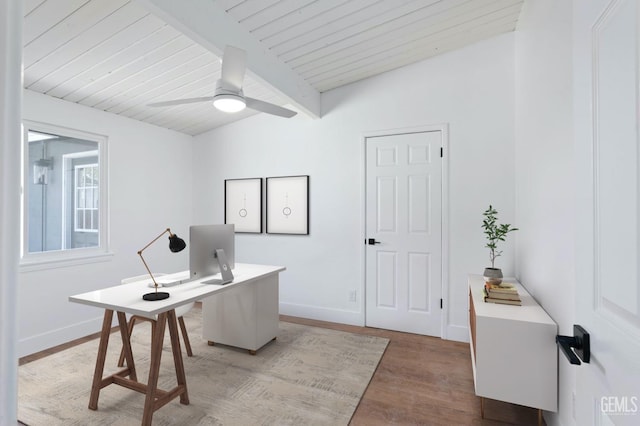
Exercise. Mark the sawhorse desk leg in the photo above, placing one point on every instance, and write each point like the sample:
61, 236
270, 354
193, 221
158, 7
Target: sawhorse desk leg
98, 381
102, 355
155, 398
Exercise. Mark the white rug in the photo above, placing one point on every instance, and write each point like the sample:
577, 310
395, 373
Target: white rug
308, 376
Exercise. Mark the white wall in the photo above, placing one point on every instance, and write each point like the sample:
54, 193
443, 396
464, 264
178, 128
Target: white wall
545, 168
471, 90
149, 190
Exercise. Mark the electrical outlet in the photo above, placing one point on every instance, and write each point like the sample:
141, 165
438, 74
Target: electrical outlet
352, 295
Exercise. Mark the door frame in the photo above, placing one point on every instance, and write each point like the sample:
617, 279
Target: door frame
443, 128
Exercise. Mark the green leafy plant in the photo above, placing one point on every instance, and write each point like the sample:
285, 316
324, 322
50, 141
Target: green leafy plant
495, 232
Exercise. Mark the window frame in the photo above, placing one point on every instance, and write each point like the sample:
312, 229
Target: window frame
75, 187
68, 256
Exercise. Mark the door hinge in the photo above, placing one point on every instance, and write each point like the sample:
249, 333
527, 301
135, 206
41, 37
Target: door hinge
441, 152
440, 303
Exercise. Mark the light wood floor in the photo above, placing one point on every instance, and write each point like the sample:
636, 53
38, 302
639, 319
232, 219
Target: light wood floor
420, 380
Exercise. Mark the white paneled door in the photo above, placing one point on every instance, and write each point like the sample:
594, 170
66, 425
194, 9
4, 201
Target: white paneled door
404, 232
606, 64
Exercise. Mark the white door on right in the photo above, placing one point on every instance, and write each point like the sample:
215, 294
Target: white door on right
606, 43
404, 232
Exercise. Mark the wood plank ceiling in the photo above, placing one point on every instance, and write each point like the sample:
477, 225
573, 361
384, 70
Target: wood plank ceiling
115, 56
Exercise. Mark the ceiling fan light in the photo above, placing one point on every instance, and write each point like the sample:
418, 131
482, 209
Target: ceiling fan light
229, 103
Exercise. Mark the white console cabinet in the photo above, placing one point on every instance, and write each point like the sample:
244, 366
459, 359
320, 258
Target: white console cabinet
513, 350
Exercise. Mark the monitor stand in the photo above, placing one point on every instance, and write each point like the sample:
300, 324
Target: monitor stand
225, 270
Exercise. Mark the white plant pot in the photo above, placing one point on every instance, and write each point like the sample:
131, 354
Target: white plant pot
492, 275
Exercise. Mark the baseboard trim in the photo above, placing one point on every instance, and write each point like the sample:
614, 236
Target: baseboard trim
323, 314
457, 333
40, 342
33, 344
454, 332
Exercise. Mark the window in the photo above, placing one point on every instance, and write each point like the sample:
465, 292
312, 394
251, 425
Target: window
64, 194
87, 196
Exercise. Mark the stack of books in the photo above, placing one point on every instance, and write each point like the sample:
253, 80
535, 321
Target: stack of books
504, 293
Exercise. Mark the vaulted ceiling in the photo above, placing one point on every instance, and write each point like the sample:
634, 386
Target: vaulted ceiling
121, 55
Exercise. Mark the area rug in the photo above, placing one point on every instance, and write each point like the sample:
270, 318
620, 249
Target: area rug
307, 376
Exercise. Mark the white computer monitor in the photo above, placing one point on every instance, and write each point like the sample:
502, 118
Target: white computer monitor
204, 240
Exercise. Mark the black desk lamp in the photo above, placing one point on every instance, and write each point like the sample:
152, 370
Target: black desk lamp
176, 244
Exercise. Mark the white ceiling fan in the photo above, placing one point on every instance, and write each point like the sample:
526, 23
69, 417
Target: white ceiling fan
228, 96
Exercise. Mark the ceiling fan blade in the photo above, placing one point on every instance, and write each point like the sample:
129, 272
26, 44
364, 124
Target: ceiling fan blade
181, 101
269, 108
234, 63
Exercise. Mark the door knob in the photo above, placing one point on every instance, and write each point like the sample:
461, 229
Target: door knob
373, 241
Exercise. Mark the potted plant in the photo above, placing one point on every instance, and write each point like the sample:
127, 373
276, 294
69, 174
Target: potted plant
495, 232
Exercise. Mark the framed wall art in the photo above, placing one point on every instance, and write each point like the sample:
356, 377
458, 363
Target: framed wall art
288, 205
243, 204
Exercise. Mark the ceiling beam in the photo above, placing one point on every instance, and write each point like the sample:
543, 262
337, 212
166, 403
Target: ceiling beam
212, 28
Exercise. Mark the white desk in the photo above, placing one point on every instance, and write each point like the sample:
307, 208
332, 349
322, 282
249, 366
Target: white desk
127, 298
